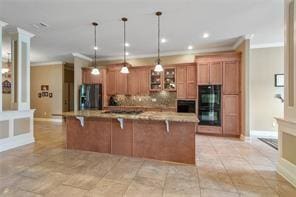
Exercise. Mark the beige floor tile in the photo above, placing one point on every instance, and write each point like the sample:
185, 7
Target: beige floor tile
82, 181
154, 170
255, 191
107, 188
42, 185
12, 192
182, 187
283, 188
216, 181
217, 193
66, 191
252, 180
142, 186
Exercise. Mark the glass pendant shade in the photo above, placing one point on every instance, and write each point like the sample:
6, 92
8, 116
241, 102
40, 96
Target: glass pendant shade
95, 71
158, 68
124, 70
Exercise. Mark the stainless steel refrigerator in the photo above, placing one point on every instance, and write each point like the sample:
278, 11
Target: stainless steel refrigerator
90, 96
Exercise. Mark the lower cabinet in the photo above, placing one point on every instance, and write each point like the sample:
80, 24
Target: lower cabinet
209, 130
122, 139
231, 115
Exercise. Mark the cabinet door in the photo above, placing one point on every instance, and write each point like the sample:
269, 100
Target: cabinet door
143, 76
203, 73
216, 70
231, 76
121, 83
111, 83
191, 82
181, 82
133, 82
231, 115
86, 76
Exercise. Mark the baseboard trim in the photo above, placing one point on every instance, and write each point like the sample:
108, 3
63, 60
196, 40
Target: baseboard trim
48, 120
257, 133
245, 138
14, 142
287, 170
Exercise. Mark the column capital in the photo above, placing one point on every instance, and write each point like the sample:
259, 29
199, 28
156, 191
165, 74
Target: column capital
24, 32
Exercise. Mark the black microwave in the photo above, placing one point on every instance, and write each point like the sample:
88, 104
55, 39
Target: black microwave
186, 106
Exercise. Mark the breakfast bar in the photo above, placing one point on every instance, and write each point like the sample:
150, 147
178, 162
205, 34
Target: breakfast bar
168, 136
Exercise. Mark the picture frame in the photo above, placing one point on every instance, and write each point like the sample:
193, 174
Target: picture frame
279, 80
44, 94
44, 87
39, 95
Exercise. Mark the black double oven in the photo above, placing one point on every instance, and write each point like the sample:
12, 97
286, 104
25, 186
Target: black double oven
209, 105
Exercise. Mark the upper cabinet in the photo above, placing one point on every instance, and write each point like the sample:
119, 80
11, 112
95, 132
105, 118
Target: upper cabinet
137, 82
88, 78
116, 81
186, 81
155, 81
231, 77
209, 73
203, 73
165, 80
169, 80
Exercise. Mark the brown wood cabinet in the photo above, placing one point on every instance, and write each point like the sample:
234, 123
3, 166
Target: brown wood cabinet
138, 82
231, 115
209, 73
231, 77
88, 78
186, 81
116, 81
121, 83
111, 82
165, 80
223, 69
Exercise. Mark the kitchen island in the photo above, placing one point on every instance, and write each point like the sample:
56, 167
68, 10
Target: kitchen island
168, 136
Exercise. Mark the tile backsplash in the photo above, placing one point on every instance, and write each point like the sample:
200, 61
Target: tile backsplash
162, 98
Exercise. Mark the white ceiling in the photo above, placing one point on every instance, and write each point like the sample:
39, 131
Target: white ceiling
183, 23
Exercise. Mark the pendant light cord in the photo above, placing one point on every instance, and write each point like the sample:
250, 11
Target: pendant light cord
124, 47
95, 45
158, 57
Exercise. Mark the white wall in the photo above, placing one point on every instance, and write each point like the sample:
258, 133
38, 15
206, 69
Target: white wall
264, 64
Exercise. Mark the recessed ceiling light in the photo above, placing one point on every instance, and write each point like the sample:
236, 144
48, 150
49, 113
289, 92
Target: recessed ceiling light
96, 48
206, 35
126, 53
127, 44
190, 47
163, 40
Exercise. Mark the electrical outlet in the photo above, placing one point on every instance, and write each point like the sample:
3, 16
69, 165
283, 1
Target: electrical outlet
45, 113
154, 100
140, 99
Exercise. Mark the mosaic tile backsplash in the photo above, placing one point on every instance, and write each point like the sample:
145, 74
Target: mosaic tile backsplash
162, 98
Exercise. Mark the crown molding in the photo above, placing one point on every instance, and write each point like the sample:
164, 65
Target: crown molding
267, 45
185, 52
79, 55
48, 63
238, 42
3, 24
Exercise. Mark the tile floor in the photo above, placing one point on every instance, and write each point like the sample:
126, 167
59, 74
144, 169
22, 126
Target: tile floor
225, 167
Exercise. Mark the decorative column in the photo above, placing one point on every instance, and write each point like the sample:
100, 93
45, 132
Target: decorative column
2, 24
287, 126
20, 50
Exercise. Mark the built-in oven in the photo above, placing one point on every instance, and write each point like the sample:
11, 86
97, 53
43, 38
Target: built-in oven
209, 105
186, 106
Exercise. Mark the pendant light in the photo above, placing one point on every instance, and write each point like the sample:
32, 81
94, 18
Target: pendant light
95, 70
158, 66
124, 68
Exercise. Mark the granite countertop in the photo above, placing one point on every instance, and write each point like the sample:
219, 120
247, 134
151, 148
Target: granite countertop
170, 116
